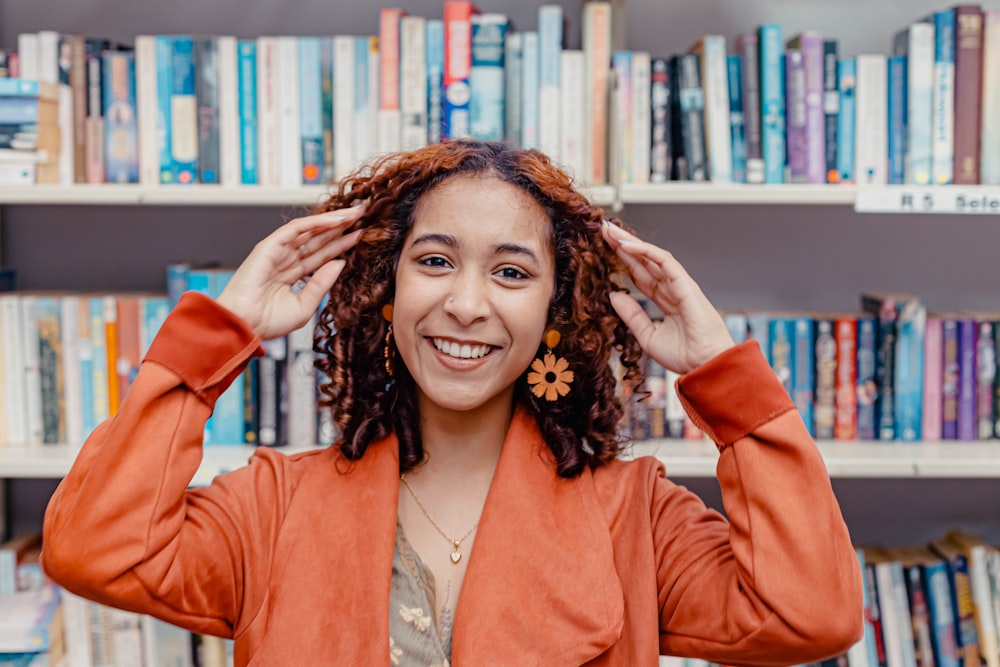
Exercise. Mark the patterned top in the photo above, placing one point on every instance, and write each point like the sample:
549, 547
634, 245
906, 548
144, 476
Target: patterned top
413, 631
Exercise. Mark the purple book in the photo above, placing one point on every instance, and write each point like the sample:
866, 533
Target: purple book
810, 43
795, 104
949, 378
966, 379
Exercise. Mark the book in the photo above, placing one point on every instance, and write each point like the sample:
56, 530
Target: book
810, 43
846, 85
207, 100
824, 407
550, 45
968, 93
967, 634
871, 132
897, 124
990, 142
457, 65
831, 108
597, 32
486, 78
916, 44
659, 153
943, 110
184, 112
390, 88
413, 82
933, 379
772, 101
718, 132
749, 52
845, 334
977, 553
737, 117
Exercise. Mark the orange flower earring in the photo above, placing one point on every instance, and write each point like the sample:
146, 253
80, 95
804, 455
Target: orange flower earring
550, 377
388, 353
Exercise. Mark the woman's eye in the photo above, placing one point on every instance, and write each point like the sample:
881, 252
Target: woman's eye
512, 273
437, 262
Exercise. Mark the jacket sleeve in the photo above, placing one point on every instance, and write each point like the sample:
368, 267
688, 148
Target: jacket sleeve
779, 583
122, 527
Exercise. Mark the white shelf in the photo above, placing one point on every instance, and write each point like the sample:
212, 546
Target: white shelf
681, 458
195, 195
800, 194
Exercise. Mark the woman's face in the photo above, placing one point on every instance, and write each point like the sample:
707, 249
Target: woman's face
473, 287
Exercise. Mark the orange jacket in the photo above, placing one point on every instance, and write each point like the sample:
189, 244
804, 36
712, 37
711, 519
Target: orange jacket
291, 555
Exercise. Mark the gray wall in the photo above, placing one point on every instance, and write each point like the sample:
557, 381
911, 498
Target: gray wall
789, 257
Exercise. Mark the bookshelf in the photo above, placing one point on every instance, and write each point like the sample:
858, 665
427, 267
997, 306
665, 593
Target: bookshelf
775, 247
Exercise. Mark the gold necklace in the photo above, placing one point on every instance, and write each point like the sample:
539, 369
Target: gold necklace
456, 553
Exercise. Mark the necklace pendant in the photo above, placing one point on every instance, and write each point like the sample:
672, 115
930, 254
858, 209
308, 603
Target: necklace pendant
456, 555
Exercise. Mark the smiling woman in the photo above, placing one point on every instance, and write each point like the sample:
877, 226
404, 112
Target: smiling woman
475, 510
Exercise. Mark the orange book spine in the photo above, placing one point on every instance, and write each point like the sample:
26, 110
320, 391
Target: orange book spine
388, 46
845, 425
111, 352
128, 343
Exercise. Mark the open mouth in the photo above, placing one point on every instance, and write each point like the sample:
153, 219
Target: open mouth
461, 350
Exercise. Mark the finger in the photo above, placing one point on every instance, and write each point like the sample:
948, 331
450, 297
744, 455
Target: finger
289, 233
326, 249
634, 317
656, 287
649, 252
319, 284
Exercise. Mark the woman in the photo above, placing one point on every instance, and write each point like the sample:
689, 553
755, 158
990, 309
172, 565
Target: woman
475, 511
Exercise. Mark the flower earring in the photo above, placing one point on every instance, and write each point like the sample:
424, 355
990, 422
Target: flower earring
388, 353
549, 377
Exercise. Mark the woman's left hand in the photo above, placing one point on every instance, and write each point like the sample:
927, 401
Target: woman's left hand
692, 331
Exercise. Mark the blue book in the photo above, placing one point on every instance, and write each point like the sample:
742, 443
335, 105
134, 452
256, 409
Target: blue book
734, 65
967, 379
550, 44
184, 113
246, 54
153, 312
897, 119
227, 422
164, 88
89, 420
529, 90
803, 368
326, 88
486, 78
869, 639
121, 130
772, 101
943, 113
846, 80
99, 357
311, 110
736, 324
867, 351
759, 329
941, 608
911, 325
13, 87
435, 79
782, 335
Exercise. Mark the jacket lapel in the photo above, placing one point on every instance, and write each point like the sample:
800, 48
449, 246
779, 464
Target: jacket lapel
541, 587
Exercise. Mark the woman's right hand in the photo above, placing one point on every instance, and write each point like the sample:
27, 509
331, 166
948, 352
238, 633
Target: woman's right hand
260, 291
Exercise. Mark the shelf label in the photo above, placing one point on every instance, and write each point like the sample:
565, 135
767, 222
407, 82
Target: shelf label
942, 199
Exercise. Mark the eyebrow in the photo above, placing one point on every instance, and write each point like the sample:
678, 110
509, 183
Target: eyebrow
452, 242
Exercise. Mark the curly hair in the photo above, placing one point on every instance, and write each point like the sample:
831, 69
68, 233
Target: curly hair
581, 429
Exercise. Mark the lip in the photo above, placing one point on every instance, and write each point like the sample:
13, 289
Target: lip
454, 362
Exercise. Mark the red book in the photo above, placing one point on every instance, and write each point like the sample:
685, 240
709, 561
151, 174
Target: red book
933, 379
845, 426
968, 92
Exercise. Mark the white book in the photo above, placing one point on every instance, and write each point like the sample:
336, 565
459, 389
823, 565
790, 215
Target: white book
289, 118
269, 161
47, 45
897, 629
990, 155
69, 322
301, 387
917, 44
27, 55
30, 353
147, 109
343, 105
48, 70
374, 97
718, 131
229, 111
76, 630
943, 114
13, 379
512, 88
871, 133
163, 644
413, 82
620, 117
550, 41
529, 90
571, 129
642, 120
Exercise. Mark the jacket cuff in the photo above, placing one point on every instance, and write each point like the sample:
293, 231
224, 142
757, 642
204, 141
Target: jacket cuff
204, 344
732, 394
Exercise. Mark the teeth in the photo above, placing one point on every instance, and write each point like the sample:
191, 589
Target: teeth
453, 349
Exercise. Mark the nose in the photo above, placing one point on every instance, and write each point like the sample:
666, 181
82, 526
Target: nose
468, 300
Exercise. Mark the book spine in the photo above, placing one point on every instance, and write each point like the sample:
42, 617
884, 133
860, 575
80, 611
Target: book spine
986, 368
966, 379
920, 103
812, 61
72, 368
99, 343
271, 369
251, 406
164, 93
949, 383
326, 90
435, 80
846, 384
692, 110
897, 124
641, 121
311, 110
94, 123
529, 90
750, 60
227, 417
718, 133
933, 378
990, 167
824, 408
871, 148
759, 329
621, 65
268, 138
942, 617
943, 113
51, 380
996, 379
911, 324
831, 109
247, 77
513, 70
128, 342
121, 146
736, 324
803, 369
846, 80
737, 117
597, 49
413, 82
229, 111
457, 65
919, 615
78, 85
772, 92
659, 152
867, 377
571, 105
550, 44
795, 104
109, 304
389, 81
147, 109
864, 652
361, 110
877, 615
968, 93
486, 78
184, 113
289, 112
968, 635
782, 354
343, 105
207, 98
